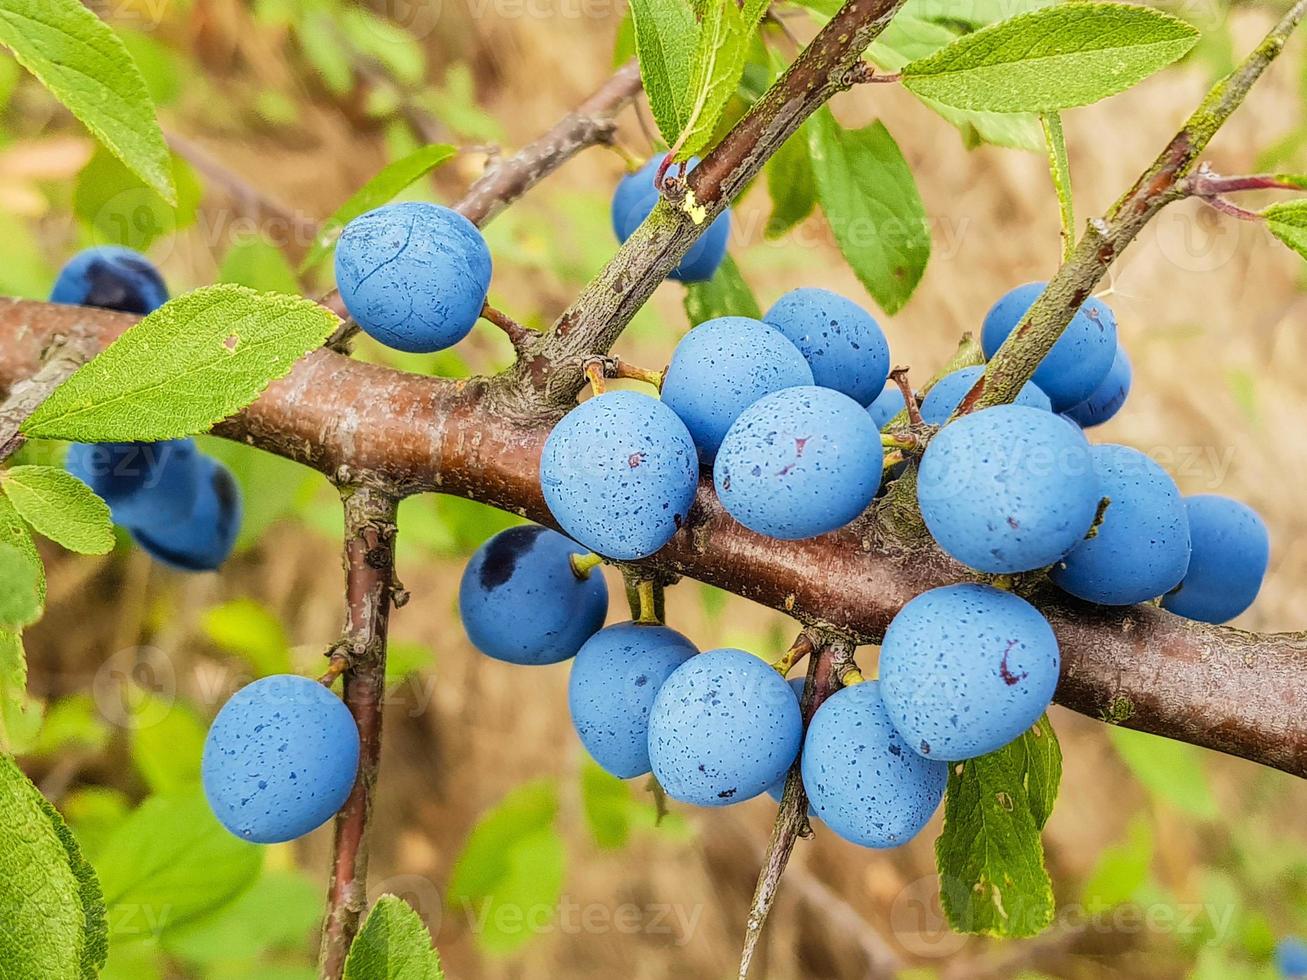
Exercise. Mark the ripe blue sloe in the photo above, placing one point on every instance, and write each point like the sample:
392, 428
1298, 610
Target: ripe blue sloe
112, 278
1108, 397
947, 393
636, 197
842, 341
204, 540
887, 405
1230, 551
145, 484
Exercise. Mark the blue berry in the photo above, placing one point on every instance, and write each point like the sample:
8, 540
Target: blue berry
1141, 551
111, 278
522, 603
636, 197
723, 728
414, 276
1108, 397
145, 484
947, 393
1291, 957
280, 759
723, 366
965, 669
887, 405
842, 341
1080, 359
777, 789
619, 474
615, 678
1008, 489
861, 776
204, 540
1230, 552
799, 462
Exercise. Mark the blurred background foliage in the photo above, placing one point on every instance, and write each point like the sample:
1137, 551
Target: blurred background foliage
523, 857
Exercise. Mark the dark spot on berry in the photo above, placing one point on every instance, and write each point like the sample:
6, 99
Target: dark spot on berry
726, 794
634, 460
503, 553
1013, 523
1009, 678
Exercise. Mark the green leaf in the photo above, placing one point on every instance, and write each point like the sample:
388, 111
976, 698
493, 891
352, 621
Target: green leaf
1059, 166
260, 265
511, 869
20, 720
166, 744
608, 805
61, 507
20, 605
252, 632
971, 14
1288, 222
990, 856
1170, 770
1056, 58
191, 363
870, 199
725, 294
393, 945
14, 532
791, 184
1121, 870
393, 179
54, 912
118, 208
665, 39
719, 58
170, 863
87, 68
277, 913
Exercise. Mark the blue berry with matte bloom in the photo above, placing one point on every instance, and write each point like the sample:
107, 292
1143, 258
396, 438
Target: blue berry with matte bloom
1008, 489
636, 197
1230, 549
145, 484
947, 393
965, 669
723, 366
522, 603
619, 474
1108, 397
1291, 957
887, 405
1141, 550
1080, 359
862, 778
615, 678
777, 789
842, 341
798, 463
723, 728
414, 276
111, 278
204, 540
280, 759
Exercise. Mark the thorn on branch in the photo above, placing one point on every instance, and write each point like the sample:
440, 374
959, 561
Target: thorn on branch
518, 335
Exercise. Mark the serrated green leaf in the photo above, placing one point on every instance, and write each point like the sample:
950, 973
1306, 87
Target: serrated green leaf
990, 856
393, 945
19, 603
392, 179
725, 294
20, 720
193, 362
665, 39
1287, 221
719, 57
1056, 58
870, 199
169, 864
54, 912
61, 507
1038, 757
791, 185
13, 531
87, 68
1171, 770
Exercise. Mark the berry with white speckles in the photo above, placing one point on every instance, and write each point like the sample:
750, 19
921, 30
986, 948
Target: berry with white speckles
723, 728
280, 759
799, 463
842, 341
947, 393
965, 669
615, 678
522, 603
863, 780
619, 474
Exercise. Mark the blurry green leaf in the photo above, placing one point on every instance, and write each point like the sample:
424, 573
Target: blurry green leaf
278, 912
607, 802
393, 945
252, 632
725, 294
61, 507
405, 659
510, 874
455, 104
120, 209
272, 487
191, 363
170, 863
24, 270
84, 65
1288, 222
1170, 770
390, 45
1056, 58
870, 199
20, 720
325, 50
1121, 869
624, 44
166, 752
158, 64
94, 813
971, 14
71, 724
665, 38
19, 602
54, 913
990, 856
260, 265
724, 33
790, 183
376, 192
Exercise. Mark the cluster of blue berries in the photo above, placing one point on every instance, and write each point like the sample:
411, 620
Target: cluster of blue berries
182, 507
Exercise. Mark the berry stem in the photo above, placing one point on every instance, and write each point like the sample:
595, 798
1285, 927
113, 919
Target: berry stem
799, 649
646, 589
900, 377
594, 372
336, 666
518, 335
583, 565
623, 369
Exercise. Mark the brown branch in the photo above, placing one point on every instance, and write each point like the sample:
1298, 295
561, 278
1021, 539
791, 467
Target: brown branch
369, 585
62, 355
